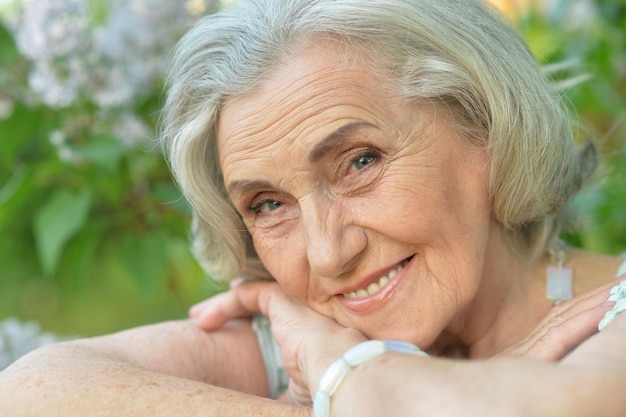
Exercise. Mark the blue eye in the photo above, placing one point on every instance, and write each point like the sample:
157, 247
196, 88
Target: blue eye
362, 161
265, 206
269, 205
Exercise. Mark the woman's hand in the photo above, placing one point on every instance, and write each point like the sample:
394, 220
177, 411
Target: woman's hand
309, 341
566, 326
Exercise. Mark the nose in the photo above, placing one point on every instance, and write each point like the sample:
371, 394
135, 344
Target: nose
334, 243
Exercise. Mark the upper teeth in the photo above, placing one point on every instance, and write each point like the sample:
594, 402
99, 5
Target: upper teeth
374, 287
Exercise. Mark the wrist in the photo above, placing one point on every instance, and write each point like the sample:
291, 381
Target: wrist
337, 371
319, 360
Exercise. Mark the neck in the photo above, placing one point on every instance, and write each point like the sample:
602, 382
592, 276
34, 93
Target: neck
507, 306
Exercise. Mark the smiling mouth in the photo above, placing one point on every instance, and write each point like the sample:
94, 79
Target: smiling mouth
378, 285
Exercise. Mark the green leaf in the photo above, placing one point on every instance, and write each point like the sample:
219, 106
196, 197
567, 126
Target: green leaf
16, 195
145, 258
8, 50
169, 195
103, 151
21, 135
58, 220
79, 255
10, 188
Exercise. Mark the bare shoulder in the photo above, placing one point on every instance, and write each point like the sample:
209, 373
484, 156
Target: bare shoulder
591, 269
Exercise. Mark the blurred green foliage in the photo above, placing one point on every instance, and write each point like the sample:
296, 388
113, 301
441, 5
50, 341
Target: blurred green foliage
101, 243
94, 241
590, 37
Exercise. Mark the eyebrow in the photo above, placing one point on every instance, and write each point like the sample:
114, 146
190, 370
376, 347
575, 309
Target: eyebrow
239, 185
336, 137
317, 152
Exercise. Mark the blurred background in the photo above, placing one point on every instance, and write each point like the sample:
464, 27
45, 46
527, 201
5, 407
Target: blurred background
94, 234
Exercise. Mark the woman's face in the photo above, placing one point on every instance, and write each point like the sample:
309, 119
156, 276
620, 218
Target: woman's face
370, 209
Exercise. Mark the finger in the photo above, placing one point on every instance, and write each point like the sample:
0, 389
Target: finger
211, 314
566, 326
586, 301
237, 281
196, 310
560, 336
243, 300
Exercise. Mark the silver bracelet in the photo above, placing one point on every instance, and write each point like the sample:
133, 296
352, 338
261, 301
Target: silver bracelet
337, 371
277, 378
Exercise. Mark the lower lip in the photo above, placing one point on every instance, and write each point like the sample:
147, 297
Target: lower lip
375, 301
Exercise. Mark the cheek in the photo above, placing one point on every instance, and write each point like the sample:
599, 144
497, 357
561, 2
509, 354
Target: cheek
285, 259
404, 202
421, 205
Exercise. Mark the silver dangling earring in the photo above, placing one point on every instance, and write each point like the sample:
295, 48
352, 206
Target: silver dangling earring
560, 278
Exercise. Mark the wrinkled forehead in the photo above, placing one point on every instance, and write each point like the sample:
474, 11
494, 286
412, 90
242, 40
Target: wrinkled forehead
308, 92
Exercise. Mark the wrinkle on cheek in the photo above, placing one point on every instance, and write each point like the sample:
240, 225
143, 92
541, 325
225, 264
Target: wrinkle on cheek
423, 181
285, 259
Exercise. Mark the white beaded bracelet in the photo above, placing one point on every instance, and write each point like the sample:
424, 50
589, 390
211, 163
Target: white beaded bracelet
337, 371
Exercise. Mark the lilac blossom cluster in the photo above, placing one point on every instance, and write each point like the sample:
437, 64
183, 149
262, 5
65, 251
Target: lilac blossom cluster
112, 62
108, 55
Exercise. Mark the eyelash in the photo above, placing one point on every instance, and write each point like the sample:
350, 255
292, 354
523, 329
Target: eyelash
373, 154
256, 205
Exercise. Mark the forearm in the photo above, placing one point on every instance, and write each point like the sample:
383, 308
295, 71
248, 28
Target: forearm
228, 357
408, 386
167, 369
588, 381
510, 387
67, 380
600, 364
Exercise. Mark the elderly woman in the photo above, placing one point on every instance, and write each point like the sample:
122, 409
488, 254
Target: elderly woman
390, 177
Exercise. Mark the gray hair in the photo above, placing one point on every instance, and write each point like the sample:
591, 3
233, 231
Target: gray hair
457, 54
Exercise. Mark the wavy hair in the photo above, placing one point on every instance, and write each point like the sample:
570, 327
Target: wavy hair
458, 54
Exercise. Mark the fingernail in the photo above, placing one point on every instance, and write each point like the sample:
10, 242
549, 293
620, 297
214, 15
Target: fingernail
237, 281
194, 310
